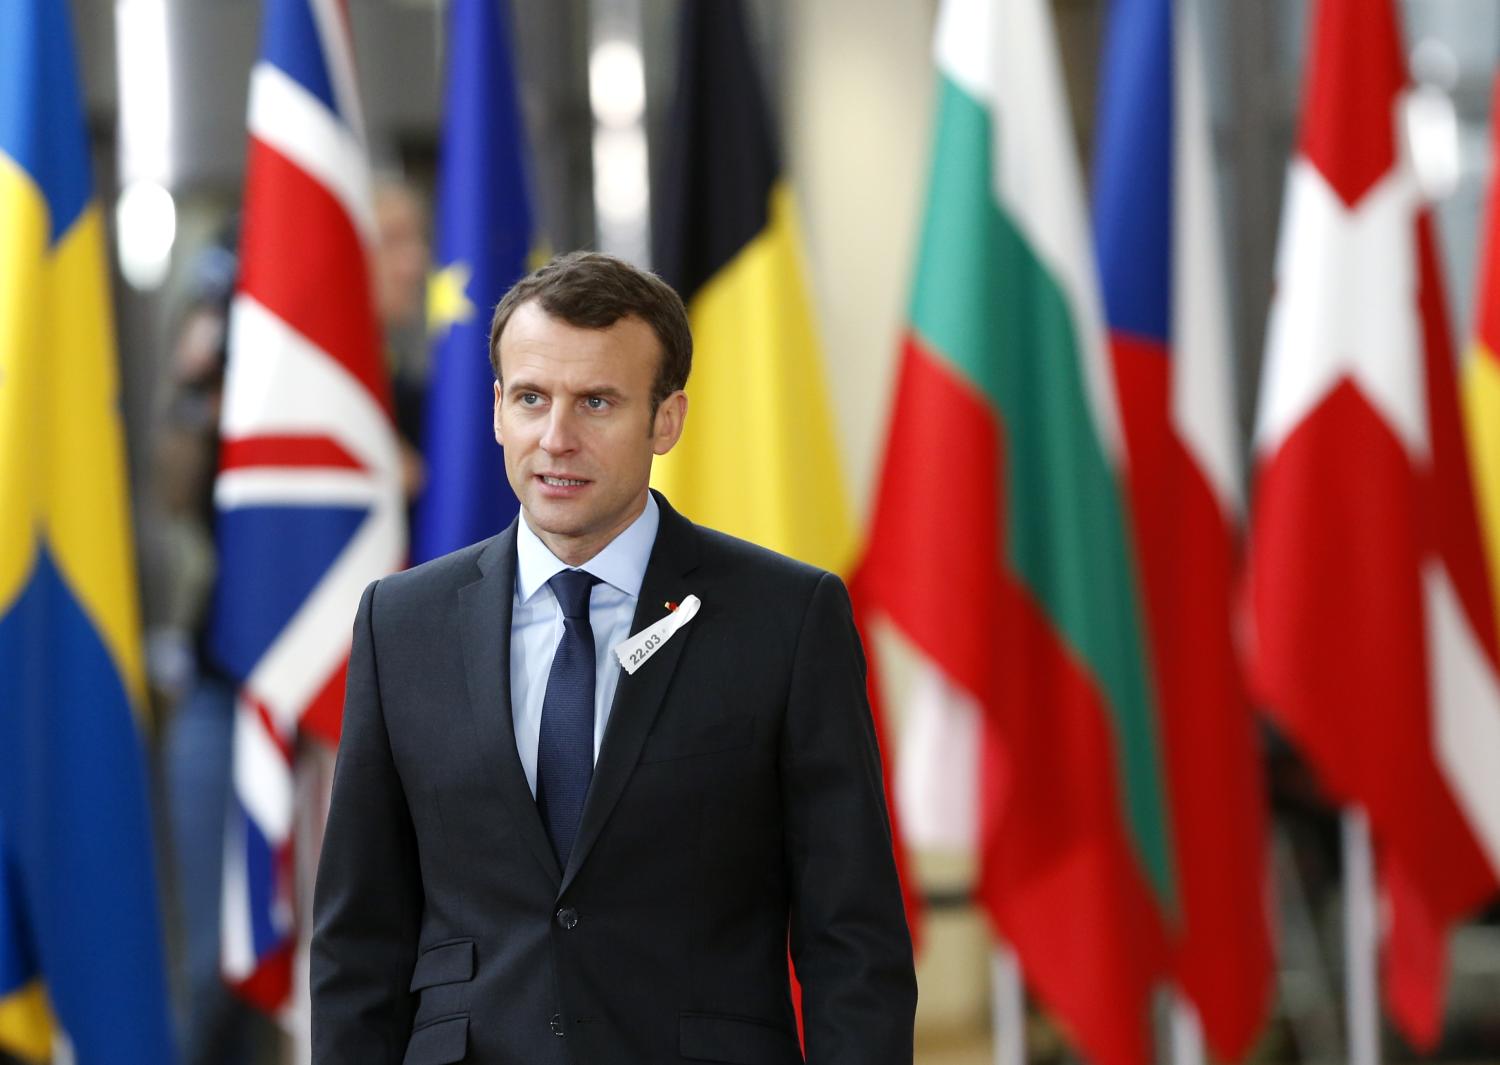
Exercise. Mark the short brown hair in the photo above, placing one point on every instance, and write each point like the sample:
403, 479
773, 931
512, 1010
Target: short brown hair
591, 290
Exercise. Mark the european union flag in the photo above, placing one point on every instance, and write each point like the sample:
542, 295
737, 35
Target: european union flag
483, 240
80, 929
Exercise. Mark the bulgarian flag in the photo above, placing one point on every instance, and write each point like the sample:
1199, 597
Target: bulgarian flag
1001, 544
1156, 226
1373, 623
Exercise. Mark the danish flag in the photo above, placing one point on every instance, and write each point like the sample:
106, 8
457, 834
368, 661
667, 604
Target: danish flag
308, 495
1373, 633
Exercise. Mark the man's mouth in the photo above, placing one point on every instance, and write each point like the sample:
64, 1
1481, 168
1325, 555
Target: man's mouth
561, 482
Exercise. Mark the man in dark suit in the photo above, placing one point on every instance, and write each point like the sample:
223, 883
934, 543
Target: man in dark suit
537, 857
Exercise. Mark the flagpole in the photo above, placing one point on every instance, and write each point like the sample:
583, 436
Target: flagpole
1009, 1006
1361, 998
1185, 1031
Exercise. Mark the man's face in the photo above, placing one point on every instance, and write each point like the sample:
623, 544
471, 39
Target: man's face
399, 266
573, 412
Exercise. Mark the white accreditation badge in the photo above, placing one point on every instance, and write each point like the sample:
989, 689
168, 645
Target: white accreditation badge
634, 652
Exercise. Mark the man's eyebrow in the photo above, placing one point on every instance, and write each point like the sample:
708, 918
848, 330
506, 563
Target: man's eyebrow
608, 392
603, 392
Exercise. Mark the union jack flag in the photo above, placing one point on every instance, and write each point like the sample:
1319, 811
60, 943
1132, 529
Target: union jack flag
308, 493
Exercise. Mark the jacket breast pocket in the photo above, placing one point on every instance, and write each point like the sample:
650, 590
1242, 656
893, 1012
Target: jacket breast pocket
701, 737
735, 1040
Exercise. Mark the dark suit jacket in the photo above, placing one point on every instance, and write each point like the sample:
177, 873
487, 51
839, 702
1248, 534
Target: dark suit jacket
737, 800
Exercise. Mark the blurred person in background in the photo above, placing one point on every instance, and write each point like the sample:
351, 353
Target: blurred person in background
215, 1026
399, 268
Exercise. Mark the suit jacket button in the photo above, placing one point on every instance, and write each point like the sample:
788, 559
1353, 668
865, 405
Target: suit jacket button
568, 918
556, 1024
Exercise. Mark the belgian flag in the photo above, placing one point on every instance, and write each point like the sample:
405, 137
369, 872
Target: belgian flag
759, 458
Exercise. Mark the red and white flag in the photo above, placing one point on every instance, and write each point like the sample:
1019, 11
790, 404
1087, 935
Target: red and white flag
1166, 308
1373, 638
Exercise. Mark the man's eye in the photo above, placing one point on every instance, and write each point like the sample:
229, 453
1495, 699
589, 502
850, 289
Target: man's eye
529, 399
596, 403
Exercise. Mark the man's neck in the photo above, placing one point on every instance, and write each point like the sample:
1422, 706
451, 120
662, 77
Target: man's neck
577, 550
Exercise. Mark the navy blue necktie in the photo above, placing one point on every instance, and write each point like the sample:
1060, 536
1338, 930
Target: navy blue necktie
565, 751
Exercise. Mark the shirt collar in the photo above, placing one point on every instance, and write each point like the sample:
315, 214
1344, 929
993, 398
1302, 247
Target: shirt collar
622, 563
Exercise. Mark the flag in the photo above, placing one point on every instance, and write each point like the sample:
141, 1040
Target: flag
80, 926
1373, 632
1156, 230
1481, 386
1001, 546
308, 494
484, 237
759, 457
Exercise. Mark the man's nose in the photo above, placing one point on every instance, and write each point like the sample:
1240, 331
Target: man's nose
561, 435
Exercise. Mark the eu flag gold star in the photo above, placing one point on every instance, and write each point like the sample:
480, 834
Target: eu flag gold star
448, 301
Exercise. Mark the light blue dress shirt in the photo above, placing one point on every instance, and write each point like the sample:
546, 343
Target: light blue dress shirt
536, 623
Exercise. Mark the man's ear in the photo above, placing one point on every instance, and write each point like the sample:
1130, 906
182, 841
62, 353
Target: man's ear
670, 418
499, 397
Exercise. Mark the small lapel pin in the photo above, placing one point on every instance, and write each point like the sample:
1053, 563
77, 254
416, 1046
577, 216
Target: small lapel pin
670, 605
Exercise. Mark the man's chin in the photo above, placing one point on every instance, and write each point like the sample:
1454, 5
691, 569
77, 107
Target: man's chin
555, 517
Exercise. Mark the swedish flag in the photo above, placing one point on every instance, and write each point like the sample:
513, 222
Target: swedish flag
80, 932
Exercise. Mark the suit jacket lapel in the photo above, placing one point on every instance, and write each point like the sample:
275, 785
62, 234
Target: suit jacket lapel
485, 609
638, 696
